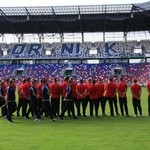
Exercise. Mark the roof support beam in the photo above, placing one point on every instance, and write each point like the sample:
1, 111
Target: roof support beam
3, 14
56, 22
28, 14
29, 19
80, 23
131, 17
19, 36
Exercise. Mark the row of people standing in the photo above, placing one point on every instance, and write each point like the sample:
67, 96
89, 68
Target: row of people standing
98, 93
31, 93
92, 93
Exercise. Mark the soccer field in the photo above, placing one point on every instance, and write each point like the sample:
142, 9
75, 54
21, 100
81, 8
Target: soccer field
108, 133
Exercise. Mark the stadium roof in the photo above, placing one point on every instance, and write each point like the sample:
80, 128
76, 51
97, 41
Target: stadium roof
64, 19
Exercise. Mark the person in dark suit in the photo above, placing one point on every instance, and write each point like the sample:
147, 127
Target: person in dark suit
69, 104
11, 103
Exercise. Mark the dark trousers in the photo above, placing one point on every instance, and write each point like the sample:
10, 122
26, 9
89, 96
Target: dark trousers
25, 106
55, 106
87, 100
94, 103
115, 104
110, 101
149, 105
137, 106
63, 103
123, 105
84, 105
102, 102
32, 108
46, 107
77, 104
11, 109
39, 105
20, 105
3, 108
68, 105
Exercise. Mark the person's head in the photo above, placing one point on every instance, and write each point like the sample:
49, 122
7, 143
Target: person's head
100, 79
13, 78
33, 82
28, 79
93, 82
71, 78
121, 79
81, 81
45, 82
41, 80
110, 79
134, 80
23, 80
11, 83
7, 80
55, 80
70, 82
66, 79
1, 83
90, 80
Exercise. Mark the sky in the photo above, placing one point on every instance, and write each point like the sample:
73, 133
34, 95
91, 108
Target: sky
11, 3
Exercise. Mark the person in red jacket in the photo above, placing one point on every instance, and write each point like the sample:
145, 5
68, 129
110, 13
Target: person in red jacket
6, 85
136, 97
21, 98
3, 100
26, 88
115, 101
100, 88
87, 85
64, 85
110, 92
55, 97
148, 90
122, 90
39, 99
74, 84
81, 92
93, 93
74, 94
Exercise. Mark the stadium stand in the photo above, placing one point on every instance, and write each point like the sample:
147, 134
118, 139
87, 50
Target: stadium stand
139, 71
65, 50
31, 59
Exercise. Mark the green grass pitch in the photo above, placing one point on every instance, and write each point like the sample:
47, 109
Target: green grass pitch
103, 133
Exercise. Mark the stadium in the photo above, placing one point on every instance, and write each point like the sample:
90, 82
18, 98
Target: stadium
110, 58
52, 41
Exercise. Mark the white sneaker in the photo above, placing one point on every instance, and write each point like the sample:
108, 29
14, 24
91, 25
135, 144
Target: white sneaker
135, 115
54, 119
37, 120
